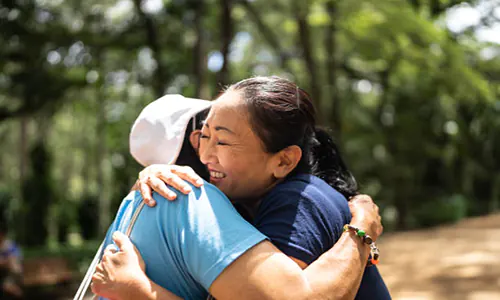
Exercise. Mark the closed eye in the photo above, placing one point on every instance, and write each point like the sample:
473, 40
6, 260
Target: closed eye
219, 143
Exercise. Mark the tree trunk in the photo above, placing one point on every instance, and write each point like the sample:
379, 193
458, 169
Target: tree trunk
494, 204
226, 28
103, 195
154, 44
23, 148
305, 44
331, 69
268, 34
199, 55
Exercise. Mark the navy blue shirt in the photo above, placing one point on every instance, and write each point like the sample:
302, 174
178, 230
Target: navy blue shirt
304, 216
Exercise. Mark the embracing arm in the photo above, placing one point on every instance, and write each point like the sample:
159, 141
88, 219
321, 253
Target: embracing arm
264, 272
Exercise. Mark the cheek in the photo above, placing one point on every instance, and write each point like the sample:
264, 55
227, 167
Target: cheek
234, 163
202, 146
253, 167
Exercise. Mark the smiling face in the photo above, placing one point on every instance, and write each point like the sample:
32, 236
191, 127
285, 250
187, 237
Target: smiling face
238, 163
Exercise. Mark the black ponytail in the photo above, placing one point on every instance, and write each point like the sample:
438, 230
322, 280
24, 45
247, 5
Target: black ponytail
327, 164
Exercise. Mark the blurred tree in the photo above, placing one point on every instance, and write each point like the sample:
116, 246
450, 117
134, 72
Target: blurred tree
414, 105
38, 195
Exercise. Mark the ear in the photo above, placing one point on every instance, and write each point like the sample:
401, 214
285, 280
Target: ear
194, 139
286, 161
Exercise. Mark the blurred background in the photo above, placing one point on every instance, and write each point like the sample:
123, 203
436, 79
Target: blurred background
410, 89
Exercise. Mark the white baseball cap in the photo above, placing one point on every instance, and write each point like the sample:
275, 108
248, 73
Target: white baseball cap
158, 133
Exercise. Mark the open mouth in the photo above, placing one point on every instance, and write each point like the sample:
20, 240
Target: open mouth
217, 175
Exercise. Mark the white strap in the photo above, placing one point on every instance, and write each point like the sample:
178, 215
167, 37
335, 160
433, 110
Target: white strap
84, 285
88, 276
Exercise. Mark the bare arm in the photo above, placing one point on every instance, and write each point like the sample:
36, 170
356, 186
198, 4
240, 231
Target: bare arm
339, 270
150, 291
264, 272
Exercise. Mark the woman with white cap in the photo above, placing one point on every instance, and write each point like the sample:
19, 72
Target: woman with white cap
252, 267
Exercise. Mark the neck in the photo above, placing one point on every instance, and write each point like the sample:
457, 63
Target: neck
251, 205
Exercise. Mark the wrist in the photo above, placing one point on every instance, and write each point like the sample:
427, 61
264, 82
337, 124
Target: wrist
362, 223
366, 240
357, 244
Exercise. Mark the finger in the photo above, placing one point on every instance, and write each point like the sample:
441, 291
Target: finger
146, 194
99, 267
110, 250
98, 276
123, 242
96, 286
176, 182
145, 173
364, 198
158, 184
187, 173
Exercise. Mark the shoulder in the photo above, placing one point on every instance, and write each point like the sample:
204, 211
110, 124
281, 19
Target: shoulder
303, 216
306, 190
203, 205
202, 197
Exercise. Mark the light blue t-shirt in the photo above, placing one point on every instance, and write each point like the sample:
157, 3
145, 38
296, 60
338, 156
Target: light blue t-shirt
188, 242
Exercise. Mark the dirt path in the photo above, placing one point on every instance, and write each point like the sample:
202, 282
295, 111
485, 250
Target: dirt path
460, 261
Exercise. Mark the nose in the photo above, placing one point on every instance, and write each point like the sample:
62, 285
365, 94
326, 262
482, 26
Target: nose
208, 153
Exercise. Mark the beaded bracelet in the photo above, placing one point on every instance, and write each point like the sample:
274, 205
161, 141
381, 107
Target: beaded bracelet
374, 253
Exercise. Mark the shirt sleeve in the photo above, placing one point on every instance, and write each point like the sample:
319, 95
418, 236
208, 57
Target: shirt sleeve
117, 220
212, 233
300, 225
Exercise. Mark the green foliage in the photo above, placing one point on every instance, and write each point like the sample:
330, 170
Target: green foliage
441, 211
414, 106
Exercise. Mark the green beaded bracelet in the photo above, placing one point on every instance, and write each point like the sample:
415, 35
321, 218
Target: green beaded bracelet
361, 233
374, 252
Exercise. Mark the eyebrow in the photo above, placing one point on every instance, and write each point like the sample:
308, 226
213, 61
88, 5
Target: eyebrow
219, 128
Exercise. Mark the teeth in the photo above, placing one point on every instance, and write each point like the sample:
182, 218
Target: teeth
217, 174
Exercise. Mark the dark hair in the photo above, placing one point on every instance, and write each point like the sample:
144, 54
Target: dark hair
282, 114
188, 155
